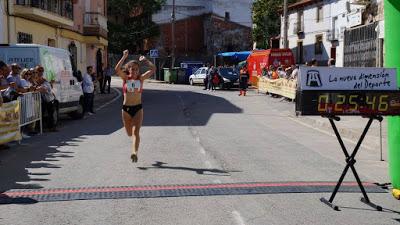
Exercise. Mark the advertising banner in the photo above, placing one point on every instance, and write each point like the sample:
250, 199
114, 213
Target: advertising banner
9, 122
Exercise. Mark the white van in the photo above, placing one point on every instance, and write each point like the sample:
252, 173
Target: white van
57, 66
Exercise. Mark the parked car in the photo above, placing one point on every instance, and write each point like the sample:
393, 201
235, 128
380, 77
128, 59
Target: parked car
229, 77
198, 76
57, 68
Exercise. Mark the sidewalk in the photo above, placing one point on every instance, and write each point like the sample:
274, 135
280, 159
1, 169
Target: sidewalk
101, 99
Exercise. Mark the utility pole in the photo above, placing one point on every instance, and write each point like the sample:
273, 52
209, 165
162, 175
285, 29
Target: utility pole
285, 25
173, 34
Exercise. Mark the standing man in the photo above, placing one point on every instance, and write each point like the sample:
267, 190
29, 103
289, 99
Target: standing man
108, 72
209, 78
100, 76
88, 91
48, 99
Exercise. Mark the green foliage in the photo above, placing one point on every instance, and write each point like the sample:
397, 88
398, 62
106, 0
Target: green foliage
130, 30
267, 20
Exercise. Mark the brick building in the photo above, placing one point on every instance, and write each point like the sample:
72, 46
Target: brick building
204, 28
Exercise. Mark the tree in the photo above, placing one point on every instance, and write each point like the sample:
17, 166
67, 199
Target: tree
130, 23
267, 20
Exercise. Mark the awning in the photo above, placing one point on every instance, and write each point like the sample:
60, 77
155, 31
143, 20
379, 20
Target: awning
236, 55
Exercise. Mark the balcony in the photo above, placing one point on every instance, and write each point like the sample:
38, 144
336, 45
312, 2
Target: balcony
52, 12
95, 24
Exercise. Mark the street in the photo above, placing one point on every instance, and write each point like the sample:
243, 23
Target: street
192, 137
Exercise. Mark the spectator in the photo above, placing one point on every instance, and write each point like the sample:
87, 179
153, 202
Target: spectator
10, 94
4, 71
332, 62
314, 63
295, 72
26, 75
209, 77
288, 72
101, 78
14, 76
88, 91
281, 72
275, 74
265, 72
109, 71
48, 99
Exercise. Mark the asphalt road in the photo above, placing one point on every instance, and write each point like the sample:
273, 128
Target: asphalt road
190, 136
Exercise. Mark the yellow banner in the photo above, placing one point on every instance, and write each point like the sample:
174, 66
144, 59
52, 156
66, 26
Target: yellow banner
9, 122
281, 86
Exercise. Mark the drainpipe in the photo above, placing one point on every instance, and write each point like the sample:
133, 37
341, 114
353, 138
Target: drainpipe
8, 21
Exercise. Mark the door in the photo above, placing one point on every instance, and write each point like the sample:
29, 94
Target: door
333, 53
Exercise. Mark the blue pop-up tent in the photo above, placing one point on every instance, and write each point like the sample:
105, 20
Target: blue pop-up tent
237, 56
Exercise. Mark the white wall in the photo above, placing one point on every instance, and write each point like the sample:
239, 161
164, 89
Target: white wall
331, 9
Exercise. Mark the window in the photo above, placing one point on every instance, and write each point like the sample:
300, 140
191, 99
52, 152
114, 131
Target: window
300, 21
25, 38
320, 13
318, 44
227, 16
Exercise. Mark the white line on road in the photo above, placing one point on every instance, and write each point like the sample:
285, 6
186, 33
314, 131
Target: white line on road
328, 133
112, 101
217, 181
238, 218
202, 151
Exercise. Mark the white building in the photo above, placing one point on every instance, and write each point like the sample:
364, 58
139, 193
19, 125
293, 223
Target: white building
322, 29
237, 11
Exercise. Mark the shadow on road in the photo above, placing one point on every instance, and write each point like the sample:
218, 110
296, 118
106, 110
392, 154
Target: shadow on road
162, 108
183, 108
162, 165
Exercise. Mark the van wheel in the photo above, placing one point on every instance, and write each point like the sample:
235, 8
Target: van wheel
79, 113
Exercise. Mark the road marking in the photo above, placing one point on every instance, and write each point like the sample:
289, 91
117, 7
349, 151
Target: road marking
112, 101
328, 133
217, 181
238, 218
202, 151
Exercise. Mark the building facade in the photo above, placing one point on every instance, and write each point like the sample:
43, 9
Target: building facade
350, 31
205, 27
76, 25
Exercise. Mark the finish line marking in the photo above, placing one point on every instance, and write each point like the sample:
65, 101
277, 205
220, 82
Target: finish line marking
71, 194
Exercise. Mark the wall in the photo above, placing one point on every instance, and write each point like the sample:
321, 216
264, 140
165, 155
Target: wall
40, 32
240, 10
331, 9
3, 22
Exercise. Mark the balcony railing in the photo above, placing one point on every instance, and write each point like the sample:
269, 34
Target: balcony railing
95, 19
63, 8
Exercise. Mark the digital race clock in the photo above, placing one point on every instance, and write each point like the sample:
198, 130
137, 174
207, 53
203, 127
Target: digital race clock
347, 91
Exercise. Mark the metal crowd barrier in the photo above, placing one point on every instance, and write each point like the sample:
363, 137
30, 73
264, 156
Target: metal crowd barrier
31, 109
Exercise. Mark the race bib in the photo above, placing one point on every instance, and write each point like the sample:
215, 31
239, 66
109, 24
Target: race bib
130, 85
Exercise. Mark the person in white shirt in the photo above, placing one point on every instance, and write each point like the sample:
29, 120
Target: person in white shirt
88, 91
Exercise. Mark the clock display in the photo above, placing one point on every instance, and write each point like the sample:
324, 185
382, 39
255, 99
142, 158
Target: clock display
348, 103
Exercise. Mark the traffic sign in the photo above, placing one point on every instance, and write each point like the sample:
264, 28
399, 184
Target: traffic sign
154, 53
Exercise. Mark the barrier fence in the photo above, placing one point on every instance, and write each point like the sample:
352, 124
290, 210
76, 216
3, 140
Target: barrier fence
31, 109
17, 114
283, 87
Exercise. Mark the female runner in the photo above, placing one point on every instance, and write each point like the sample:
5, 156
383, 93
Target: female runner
132, 109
